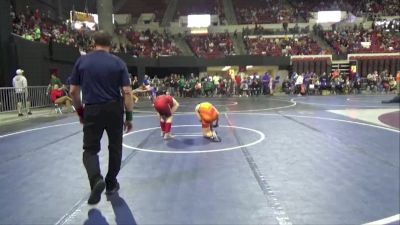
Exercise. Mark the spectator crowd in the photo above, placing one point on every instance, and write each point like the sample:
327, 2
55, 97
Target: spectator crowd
212, 45
383, 36
304, 45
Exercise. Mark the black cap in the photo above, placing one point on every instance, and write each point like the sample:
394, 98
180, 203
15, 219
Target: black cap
102, 38
161, 92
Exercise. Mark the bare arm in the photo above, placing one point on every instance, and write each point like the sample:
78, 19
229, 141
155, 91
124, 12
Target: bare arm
217, 120
197, 112
175, 105
128, 101
75, 92
140, 90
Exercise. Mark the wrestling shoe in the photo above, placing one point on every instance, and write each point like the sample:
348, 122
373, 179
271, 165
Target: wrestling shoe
168, 136
215, 138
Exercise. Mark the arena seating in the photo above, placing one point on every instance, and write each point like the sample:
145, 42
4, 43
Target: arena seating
135, 8
263, 11
50, 31
214, 45
350, 41
380, 8
151, 44
362, 8
259, 45
187, 7
211, 45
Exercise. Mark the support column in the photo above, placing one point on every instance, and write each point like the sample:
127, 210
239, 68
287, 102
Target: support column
105, 10
59, 10
5, 43
141, 71
20, 6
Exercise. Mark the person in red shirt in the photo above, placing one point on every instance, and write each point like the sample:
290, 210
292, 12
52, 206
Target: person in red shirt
58, 97
398, 82
166, 106
238, 82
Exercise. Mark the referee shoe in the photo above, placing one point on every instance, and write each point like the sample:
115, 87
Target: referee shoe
95, 195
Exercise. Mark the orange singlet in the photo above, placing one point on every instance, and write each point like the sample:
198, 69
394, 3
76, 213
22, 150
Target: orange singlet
208, 114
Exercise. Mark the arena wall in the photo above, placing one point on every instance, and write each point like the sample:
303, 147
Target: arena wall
38, 59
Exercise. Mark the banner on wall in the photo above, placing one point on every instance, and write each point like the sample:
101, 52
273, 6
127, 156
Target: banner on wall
353, 68
83, 16
81, 20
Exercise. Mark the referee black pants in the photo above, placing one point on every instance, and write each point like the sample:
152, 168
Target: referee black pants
97, 118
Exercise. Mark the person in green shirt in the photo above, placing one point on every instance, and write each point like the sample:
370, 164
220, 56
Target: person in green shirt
192, 83
54, 80
37, 33
181, 85
209, 88
28, 36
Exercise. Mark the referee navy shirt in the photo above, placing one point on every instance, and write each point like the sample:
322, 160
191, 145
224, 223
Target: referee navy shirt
101, 76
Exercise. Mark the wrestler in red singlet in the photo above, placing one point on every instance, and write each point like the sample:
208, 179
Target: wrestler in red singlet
166, 106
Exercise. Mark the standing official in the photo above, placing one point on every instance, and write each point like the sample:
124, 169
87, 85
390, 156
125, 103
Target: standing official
104, 81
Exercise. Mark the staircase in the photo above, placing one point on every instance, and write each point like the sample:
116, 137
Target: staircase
287, 4
238, 44
292, 4
169, 13
321, 42
183, 46
229, 12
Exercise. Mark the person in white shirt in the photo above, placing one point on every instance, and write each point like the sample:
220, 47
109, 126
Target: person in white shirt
21, 91
299, 82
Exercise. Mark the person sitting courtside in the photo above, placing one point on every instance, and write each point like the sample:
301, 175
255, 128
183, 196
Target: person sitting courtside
59, 97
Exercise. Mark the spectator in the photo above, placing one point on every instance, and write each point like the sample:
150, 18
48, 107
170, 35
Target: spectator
266, 79
298, 84
54, 80
398, 82
21, 91
59, 97
286, 86
238, 82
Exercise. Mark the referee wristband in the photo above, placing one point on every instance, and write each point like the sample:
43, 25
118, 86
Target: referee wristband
79, 111
128, 115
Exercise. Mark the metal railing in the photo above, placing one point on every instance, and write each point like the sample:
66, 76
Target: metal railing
37, 95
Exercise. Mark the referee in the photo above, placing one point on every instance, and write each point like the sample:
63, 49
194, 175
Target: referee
104, 81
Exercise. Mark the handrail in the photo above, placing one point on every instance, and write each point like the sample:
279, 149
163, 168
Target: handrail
310, 57
37, 96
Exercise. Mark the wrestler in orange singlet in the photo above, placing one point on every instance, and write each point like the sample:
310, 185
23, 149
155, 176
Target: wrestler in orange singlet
207, 115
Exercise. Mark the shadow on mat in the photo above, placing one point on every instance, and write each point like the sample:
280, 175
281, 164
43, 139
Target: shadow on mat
95, 218
122, 212
184, 143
